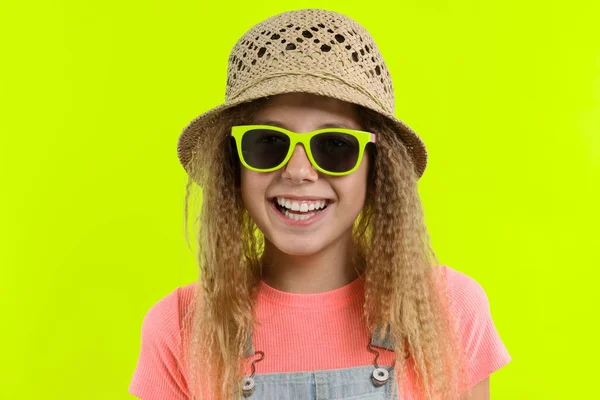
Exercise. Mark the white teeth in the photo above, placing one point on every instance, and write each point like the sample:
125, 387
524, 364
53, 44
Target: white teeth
302, 206
297, 217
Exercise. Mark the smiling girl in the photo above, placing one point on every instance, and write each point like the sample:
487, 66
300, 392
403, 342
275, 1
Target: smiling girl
317, 280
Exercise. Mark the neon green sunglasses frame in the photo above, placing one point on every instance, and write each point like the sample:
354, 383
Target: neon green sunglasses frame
362, 137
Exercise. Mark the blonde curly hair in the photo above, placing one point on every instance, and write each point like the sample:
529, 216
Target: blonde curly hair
404, 287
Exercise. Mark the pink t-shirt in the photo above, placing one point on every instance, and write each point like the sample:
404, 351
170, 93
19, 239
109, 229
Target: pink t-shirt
312, 332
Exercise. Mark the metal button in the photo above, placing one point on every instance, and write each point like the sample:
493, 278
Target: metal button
380, 376
248, 387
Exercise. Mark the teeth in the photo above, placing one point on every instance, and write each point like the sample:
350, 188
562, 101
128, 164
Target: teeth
302, 206
298, 217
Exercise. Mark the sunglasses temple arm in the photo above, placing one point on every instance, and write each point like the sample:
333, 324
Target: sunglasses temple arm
373, 138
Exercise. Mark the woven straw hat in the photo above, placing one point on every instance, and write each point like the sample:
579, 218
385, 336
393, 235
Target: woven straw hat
310, 50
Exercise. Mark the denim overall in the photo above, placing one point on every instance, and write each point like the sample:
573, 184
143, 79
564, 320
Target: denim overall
369, 382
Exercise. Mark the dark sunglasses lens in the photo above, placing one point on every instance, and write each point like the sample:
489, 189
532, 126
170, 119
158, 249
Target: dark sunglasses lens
264, 148
335, 152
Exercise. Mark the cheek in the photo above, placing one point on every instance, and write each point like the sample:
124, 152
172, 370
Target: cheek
253, 187
247, 185
361, 175
352, 189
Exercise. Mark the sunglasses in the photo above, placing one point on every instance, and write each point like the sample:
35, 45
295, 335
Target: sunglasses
332, 151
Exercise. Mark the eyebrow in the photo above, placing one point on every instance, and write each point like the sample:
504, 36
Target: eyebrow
323, 126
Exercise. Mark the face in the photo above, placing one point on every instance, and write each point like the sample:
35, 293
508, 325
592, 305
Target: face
308, 232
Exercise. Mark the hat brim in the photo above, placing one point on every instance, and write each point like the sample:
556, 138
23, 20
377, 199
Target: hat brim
188, 139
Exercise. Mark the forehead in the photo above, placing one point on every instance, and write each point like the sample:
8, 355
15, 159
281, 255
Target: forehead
296, 108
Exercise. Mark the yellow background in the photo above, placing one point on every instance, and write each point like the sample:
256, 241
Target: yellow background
506, 95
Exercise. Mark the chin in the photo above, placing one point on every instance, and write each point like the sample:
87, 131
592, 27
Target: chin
299, 247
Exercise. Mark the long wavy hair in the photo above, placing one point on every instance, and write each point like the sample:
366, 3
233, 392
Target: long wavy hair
404, 287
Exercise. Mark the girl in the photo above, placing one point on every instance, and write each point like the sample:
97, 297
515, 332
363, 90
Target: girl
317, 279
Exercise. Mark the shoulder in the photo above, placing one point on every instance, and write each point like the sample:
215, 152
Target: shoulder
163, 319
161, 323
468, 302
159, 372
480, 340
466, 295
185, 297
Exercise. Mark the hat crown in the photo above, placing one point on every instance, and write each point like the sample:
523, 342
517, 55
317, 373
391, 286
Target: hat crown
316, 42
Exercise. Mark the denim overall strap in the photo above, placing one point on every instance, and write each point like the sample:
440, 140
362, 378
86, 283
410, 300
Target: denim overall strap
387, 342
249, 347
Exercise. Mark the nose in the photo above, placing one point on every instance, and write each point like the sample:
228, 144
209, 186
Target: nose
299, 169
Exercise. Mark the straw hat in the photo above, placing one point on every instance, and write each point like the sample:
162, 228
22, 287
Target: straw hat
310, 50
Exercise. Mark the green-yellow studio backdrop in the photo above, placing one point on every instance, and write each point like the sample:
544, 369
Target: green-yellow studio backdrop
506, 95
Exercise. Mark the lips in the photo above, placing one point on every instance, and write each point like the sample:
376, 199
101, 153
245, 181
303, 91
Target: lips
299, 212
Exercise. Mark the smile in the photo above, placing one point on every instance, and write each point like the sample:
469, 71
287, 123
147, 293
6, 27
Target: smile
299, 212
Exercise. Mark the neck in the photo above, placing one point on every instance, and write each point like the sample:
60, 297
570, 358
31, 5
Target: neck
331, 268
